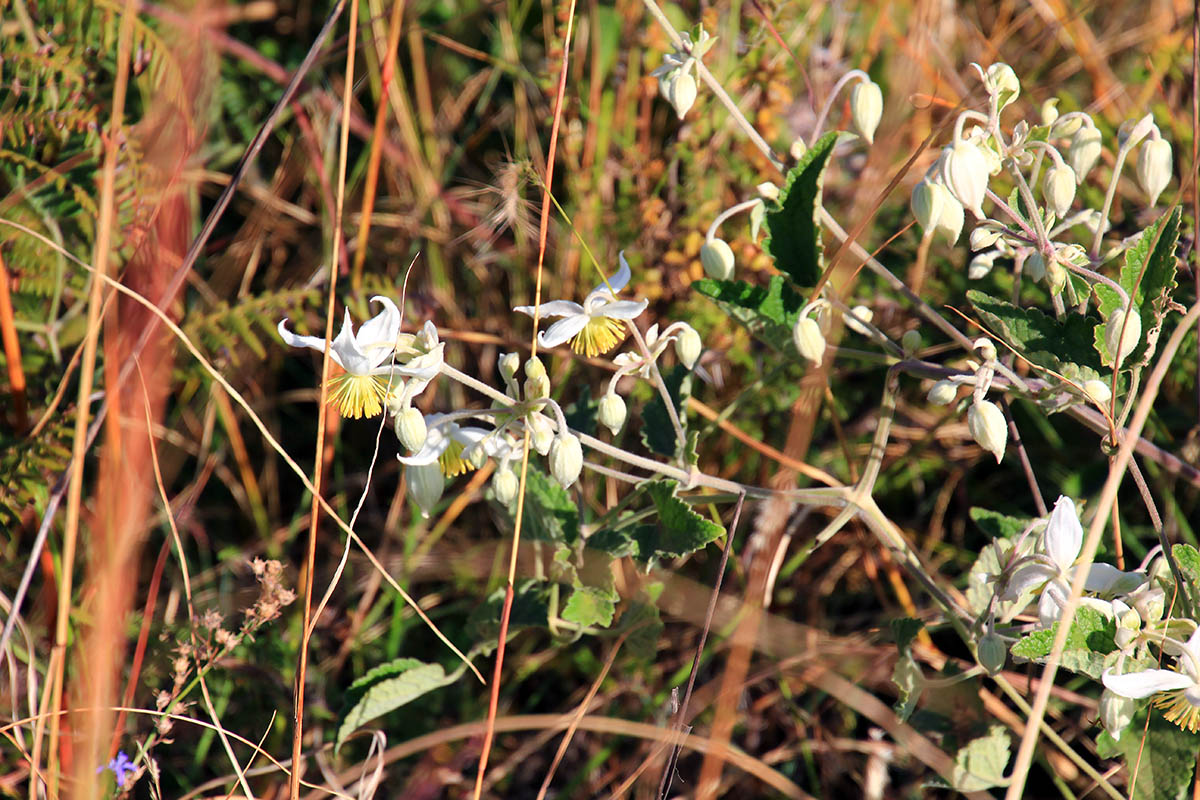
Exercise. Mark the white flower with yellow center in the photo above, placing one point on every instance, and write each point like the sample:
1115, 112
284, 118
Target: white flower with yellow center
451, 446
595, 327
373, 360
1177, 690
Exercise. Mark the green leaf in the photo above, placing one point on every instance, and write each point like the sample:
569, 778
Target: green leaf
907, 673
589, 607
1090, 640
1188, 559
642, 620
904, 630
997, 525
1062, 345
793, 233
980, 765
530, 609
658, 434
387, 687
769, 312
1164, 762
550, 513
679, 531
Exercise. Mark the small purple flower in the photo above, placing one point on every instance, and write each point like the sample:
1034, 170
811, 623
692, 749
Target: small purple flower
121, 767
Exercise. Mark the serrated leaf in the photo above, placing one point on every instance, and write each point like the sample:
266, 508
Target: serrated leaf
980, 765
641, 619
387, 687
793, 233
1188, 559
904, 630
588, 607
1164, 762
530, 609
1089, 641
679, 531
550, 513
997, 525
658, 434
769, 313
1048, 342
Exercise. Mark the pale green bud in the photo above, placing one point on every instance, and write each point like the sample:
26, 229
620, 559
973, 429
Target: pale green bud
537, 382
1116, 712
1056, 275
541, 432
927, 200
1154, 167
910, 342
810, 343
1035, 267
1123, 334
1133, 131
992, 652
943, 393
611, 413
857, 318
425, 485
981, 265
410, 428
509, 364
1084, 150
965, 171
1059, 189
688, 346
566, 459
1098, 391
798, 148
866, 109
717, 258
681, 93
988, 428
984, 236
1001, 82
768, 190
505, 485
1050, 111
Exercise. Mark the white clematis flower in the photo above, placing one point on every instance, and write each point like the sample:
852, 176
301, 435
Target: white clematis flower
1178, 689
594, 327
374, 359
451, 446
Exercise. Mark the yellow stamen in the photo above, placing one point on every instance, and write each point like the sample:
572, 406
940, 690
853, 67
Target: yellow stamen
598, 336
358, 395
1178, 709
452, 461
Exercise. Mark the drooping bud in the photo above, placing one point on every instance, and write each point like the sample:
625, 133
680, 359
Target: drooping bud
1154, 167
992, 652
410, 428
1116, 712
984, 236
566, 459
985, 348
1123, 334
681, 93
1132, 131
910, 341
981, 265
858, 318
1049, 111
611, 413
1059, 189
988, 428
1056, 275
953, 218
425, 485
537, 382
508, 364
1001, 83
688, 346
505, 485
943, 393
965, 172
1098, 391
1084, 150
810, 343
927, 201
866, 109
717, 258
541, 432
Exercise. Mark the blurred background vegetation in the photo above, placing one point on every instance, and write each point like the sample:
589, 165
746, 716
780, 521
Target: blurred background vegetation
468, 115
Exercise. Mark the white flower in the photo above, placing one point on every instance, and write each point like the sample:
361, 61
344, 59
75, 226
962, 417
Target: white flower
592, 328
450, 446
376, 360
1179, 688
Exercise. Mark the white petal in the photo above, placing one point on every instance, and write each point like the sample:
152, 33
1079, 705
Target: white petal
350, 355
436, 441
296, 340
1051, 602
1145, 683
1064, 534
622, 309
1107, 579
555, 308
562, 330
1026, 578
423, 367
377, 336
621, 279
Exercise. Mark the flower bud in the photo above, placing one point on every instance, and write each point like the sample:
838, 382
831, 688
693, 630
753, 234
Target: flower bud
1059, 189
857, 318
1123, 334
986, 423
810, 343
1001, 82
1116, 712
681, 92
1035, 267
717, 258
612, 412
509, 364
1133, 131
768, 190
566, 459
992, 652
1154, 167
410, 428
981, 265
1056, 275
866, 109
965, 171
1098, 391
537, 382
541, 432
910, 341
927, 201
688, 346
951, 222
943, 393
505, 485
1050, 111
425, 485
984, 236
1084, 150
985, 348
798, 148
